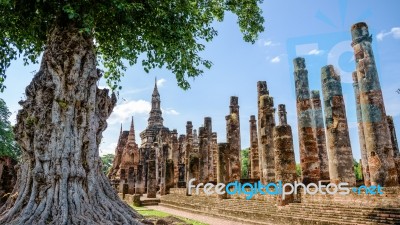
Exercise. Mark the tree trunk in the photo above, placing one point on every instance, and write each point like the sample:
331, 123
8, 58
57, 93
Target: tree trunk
59, 129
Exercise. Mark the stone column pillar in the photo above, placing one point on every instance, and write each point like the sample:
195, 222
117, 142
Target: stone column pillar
395, 145
261, 90
309, 158
266, 123
285, 164
233, 138
319, 131
139, 182
124, 190
151, 174
361, 138
181, 179
141, 174
393, 138
377, 137
131, 180
182, 148
203, 150
254, 157
188, 149
182, 161
208, 133
194, 159
223, 166
169, 175
214, 149
163, 168
339, 148
175, 154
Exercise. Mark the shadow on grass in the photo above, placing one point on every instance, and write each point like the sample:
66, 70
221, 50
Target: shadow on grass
159, 217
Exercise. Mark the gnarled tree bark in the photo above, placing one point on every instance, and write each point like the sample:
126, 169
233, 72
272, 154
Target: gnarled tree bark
59, 129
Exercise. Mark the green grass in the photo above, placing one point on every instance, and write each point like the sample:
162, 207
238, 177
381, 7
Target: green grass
159, 214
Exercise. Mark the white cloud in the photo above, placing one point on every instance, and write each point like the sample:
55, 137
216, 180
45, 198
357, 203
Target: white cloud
315, 52
395, 32
103, 87
107, 148
380, 36
125, 110
308, 49
267, 43
276, 59
170, 112
161, 82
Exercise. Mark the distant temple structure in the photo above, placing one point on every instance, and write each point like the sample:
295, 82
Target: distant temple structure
144, 169
163, 160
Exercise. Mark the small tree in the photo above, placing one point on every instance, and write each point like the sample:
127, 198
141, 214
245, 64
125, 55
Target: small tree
245, 162
357, 170
62, 119
298, 169
107, 161
8, 146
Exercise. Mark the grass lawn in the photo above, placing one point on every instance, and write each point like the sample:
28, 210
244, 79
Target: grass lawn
150, 213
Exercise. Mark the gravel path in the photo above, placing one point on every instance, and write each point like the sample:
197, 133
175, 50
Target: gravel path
202, 218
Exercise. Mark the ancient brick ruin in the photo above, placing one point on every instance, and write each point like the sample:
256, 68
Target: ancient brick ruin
166, 161
151, 167
361, 137
338, 138
254, 155
319, 132
8, 177
233, 138
163, 160
266, 123
309, 152
395, 144
285, 163
378, 145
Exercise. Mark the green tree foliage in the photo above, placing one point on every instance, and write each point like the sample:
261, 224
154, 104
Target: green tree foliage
298, 169
167, 34
107, 161
245, 162
357, 170
8, 146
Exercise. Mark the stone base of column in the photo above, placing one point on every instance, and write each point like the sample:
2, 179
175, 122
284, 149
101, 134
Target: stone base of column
136, 200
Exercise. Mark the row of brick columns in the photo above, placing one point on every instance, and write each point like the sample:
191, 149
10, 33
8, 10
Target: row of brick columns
324, 146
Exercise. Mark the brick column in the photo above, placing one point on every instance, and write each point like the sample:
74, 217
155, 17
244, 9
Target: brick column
309, 158
341, 167
285, 164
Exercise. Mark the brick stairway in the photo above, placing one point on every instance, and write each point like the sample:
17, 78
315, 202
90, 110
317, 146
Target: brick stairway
144, 201
265, 212
149, 201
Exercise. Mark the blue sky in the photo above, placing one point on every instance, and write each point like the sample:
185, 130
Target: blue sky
316, 30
